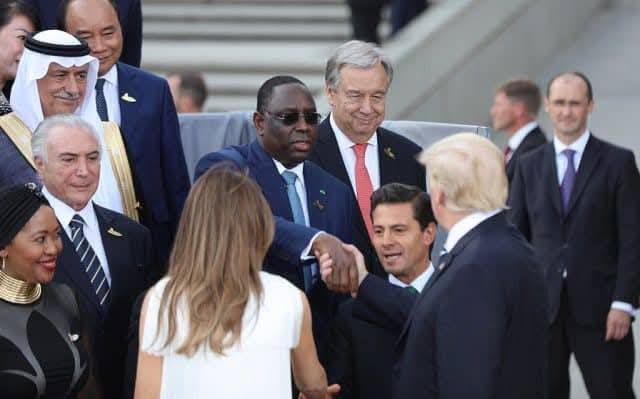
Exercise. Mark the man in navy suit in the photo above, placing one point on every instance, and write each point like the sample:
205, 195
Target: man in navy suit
361, 351
351, 144
129, 13
515, 108
478, 329
141, 105
106, 257
576, 201
308, 201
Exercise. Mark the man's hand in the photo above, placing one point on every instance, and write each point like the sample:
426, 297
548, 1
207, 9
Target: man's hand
332, 390
344, 276
327, 270
618, 322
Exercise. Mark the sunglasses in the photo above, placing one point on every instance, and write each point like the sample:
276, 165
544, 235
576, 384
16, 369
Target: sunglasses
291, 118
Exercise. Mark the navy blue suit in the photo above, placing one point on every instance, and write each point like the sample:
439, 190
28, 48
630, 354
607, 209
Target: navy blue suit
330, 205
129, 12
478, 329
132, 270
151, 135
14, 168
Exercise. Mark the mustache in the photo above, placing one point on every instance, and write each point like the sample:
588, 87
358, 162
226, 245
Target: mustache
65, 95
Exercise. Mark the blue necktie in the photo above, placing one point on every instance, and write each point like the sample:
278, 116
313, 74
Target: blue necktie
89, 260
101, 102
298, 216
569, 178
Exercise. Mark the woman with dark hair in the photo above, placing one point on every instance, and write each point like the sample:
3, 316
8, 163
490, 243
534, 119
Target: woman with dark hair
217, 326
40, 351
17, 19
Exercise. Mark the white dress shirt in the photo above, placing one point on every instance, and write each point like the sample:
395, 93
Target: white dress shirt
418, 283
465, 225
518, 137
64, 214
345, 145
561, 165
111, 95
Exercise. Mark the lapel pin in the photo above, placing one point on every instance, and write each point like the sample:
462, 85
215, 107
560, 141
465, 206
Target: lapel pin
318, 205
126, 97
73, 337
114, 232
389, 153
323, 192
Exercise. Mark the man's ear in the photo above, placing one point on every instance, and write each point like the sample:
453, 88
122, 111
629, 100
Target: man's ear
39, 163
258, 122
429, 234
329, 94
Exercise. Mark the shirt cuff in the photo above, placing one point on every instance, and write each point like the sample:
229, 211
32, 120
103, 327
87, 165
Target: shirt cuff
306, 252
626, 307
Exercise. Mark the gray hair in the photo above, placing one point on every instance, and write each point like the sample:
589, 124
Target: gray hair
358, 54
41, 134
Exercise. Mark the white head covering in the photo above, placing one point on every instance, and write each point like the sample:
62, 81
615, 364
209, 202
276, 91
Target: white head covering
25, 99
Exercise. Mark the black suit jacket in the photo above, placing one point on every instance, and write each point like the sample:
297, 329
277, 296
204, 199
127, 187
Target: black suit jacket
533, 140
478, 329
129, 256
597, 242
129, 12
397, 158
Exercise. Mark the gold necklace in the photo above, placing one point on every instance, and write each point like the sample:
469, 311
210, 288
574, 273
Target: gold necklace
17, 291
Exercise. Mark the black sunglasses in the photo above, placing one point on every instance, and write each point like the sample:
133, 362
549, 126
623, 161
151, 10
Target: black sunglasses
291, 118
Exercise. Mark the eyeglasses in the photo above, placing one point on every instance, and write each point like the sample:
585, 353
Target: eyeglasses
291, 118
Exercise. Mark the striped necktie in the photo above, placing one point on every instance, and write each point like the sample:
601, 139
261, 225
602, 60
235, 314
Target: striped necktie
89, 260
101, 102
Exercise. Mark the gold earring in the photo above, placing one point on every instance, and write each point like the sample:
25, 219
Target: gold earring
4, 262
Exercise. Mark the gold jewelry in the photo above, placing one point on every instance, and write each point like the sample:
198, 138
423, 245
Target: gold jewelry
17, 291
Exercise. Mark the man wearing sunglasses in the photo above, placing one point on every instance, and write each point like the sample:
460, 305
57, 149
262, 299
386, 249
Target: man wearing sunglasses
351, 144
314, 210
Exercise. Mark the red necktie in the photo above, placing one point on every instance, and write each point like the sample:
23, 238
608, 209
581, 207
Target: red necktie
364, 189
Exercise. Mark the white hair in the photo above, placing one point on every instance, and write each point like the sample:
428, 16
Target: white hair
358, 54
41, 134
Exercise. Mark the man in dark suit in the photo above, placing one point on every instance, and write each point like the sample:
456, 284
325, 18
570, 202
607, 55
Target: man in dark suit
141, 105
129, 13
351, 144
298, 191
365, 19
361, 351
106, 257
576, 201
478, 329
514, 111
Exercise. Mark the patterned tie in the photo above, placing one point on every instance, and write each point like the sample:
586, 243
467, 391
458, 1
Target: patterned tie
89, 260
364, 188
412, 289
569, 178
309, 272
101, 103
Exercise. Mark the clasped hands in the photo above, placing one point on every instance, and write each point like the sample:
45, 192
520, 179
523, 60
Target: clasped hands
342, 266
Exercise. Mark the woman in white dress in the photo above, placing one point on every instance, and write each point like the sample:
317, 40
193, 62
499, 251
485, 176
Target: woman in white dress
216, 325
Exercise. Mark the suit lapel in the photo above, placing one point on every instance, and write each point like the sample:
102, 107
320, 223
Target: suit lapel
115, 248
551, 176
268, 178
590, 159
329, 153
385, 159
316, 198
128, 109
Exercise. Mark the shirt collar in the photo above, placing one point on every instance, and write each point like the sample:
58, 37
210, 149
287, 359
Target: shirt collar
516, 139
64, 213
578, 145
111, 76
298, 169
465, 225
418, 283
344, 142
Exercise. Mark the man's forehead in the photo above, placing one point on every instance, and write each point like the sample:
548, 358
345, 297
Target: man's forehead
292, 95
54, 66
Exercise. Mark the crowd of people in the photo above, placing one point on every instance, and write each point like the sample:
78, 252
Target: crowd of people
300, 264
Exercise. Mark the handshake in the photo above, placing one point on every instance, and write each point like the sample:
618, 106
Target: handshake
342, 266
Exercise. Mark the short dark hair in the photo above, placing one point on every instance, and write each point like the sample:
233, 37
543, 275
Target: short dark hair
9, 9
193, 85
265, 92
577, 74
398, 193
524, 91
63, 8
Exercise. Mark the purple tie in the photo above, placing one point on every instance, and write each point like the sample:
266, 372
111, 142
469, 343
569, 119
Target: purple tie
568, 179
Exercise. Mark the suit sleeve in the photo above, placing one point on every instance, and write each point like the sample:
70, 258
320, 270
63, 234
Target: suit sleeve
628, 220
174, 166
390, 306
470, 334
132, 40
517, 213
340, 356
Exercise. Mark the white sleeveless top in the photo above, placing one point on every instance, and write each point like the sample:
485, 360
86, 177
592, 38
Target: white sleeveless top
256, 366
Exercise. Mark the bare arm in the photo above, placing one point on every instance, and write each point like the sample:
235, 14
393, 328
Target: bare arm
149, 372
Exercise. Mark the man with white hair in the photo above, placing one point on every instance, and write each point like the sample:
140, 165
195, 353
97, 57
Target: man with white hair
478, 329
56, 75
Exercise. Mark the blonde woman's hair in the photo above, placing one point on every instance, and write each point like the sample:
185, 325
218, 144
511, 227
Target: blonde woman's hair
469, 170
224, 233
